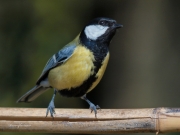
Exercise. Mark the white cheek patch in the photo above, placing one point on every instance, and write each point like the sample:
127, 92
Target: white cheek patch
94, 31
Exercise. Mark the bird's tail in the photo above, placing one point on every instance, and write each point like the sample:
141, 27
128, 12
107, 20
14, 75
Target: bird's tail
32, 94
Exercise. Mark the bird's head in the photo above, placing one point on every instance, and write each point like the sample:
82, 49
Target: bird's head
101, 29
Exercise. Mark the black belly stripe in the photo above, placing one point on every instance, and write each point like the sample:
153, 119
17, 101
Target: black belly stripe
99, 50
81, 90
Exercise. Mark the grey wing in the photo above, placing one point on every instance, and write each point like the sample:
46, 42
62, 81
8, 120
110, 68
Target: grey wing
57, 59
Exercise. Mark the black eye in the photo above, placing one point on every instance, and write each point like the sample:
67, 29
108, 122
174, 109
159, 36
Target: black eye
102, 22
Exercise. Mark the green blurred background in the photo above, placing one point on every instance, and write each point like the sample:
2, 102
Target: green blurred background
144, 67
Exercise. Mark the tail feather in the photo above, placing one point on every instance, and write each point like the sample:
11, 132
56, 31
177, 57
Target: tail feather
32, 94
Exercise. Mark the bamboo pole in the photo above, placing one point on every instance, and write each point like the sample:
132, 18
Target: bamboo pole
152, 120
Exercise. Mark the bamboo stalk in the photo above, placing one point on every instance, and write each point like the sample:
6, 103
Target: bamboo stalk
152, 120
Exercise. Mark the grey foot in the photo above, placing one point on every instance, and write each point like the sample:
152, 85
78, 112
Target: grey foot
94, 108
51, 109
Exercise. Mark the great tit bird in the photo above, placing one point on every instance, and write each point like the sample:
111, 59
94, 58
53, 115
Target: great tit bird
78, 67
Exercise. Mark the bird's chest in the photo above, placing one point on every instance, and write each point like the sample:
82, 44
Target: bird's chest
100, 72
73, 72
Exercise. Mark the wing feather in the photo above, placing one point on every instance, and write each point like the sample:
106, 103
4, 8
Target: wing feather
57, 59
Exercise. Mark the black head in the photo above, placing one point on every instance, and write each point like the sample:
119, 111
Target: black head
101, 29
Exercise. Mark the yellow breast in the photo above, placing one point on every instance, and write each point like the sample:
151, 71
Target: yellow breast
100, 73
74, 71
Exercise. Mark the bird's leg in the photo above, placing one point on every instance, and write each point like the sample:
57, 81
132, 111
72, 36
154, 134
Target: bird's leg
51, 106
92, 106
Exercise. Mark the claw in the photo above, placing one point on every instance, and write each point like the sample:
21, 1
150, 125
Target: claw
92, 106
51, 109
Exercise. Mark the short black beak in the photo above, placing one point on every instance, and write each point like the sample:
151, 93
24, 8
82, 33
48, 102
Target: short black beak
118, 25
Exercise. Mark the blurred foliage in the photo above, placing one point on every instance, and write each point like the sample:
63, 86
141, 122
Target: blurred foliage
144, 68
